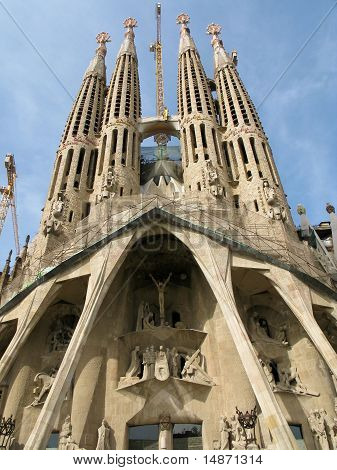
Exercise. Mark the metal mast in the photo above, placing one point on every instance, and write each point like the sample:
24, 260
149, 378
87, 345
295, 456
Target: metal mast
8, 199
161, 109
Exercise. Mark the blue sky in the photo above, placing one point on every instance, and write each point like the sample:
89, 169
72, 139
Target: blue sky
299, 116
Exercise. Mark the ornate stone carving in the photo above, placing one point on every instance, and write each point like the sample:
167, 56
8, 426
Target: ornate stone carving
269, 192
66, 441
183, 19
213, 180
193, 371
161, 370
104, 436
61, 333
247, 422
259, 330
225, 433
316, 421
330, 208
165, 441
57, 208
103, 38
163, 364
135, 366
44, 382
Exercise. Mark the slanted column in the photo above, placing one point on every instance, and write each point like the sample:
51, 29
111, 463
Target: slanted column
104, 267
297, 297
215, 263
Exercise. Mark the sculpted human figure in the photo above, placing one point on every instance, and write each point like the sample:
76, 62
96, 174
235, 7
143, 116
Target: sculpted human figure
162, 371
225, 433
161, 293
269, 192
238, 441
104, 435
66, 431
317, 426
175, 362
58, 207
134, 368
258, 330
148, 321
46, 381
193, 370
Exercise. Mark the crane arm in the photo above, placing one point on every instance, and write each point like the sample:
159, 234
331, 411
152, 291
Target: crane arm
8, 199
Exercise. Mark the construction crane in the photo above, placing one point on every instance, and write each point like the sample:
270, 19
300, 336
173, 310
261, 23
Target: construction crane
161, 109
8, 199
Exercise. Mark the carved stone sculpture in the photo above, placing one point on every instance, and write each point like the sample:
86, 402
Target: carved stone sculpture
269, 192
135, 366
61, 334
161, 370
316, 421
57, 208
259, 331
104, 436
44, 382
238, 440
193, 372
161, 294
225, 433
268, 371
290, 379
66, 431
165, 441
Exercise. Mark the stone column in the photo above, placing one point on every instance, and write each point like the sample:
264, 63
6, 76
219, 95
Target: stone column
215, 263
104, 267
165, 441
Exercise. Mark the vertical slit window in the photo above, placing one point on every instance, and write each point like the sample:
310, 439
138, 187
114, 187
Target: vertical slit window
92, 169
272, 171
134, 149
203, 135
256, 205
243, 151
56, 172
217, 152
193, 142
124, 145
228, 162
101, 162
114, 138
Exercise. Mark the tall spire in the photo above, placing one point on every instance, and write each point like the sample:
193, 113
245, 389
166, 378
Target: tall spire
247, 152
186, 41
119, 144
70, 192
128, 45
97, 65
221, 58
200, 140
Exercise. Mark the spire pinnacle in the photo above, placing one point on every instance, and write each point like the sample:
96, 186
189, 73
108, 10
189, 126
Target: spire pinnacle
128, 45
221, 58
186, 41
97, 65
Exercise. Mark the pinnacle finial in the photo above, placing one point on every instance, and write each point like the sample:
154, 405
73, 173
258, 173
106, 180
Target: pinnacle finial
103, 38
183, 19
130, 23
330, 208
214, 30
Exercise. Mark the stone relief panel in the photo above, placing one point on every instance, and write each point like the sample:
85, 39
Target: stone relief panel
237, 432
268, 329
163, 363
324, 429
63, 327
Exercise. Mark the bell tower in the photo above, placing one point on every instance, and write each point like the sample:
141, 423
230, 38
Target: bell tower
255, 179
202, 157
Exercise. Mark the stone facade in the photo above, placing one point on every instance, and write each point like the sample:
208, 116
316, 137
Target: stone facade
200, 319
